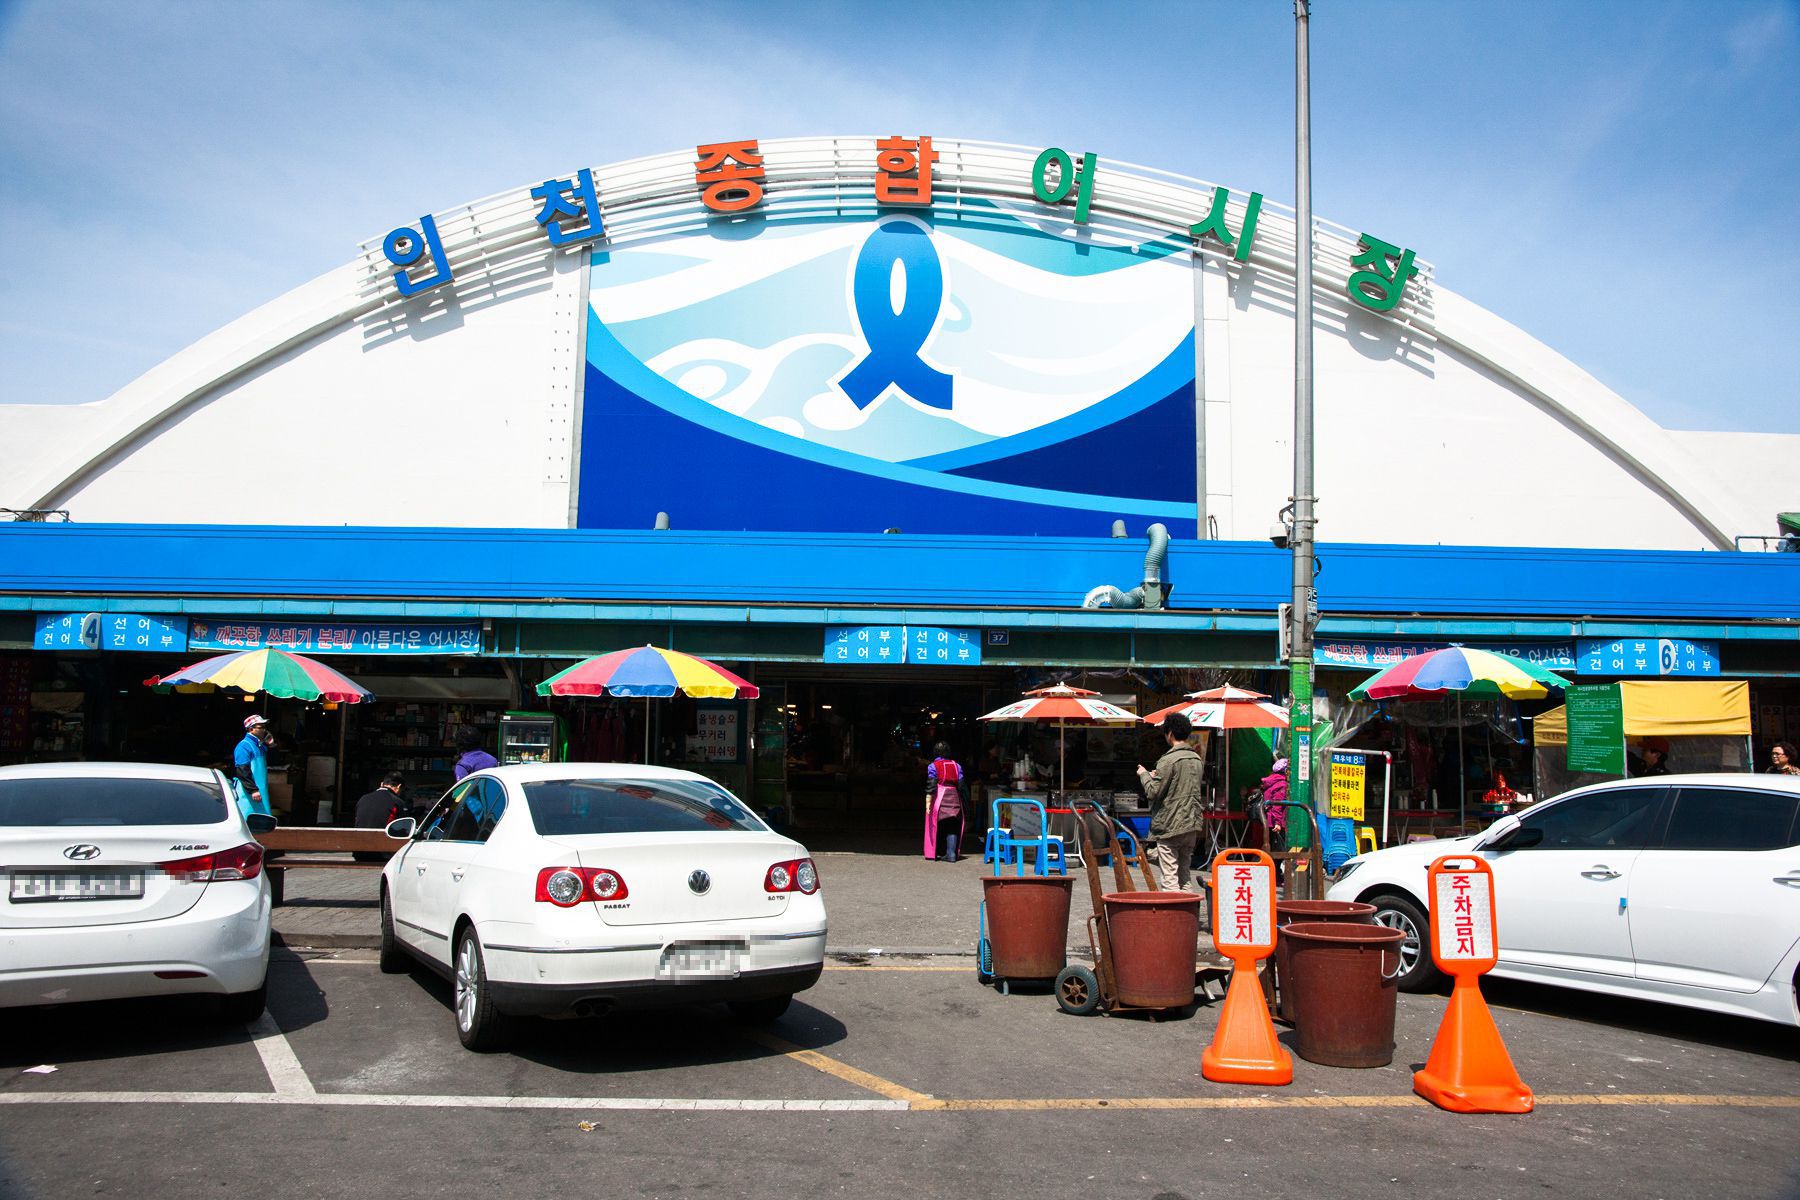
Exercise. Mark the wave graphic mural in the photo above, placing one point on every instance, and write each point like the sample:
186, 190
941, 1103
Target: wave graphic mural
946, 376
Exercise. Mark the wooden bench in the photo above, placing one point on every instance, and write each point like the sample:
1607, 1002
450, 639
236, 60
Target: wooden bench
303, 847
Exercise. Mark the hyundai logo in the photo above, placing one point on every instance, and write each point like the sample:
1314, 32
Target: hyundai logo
82, 852
699, 882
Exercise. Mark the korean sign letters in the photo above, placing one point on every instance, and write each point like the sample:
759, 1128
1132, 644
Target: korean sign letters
730, 179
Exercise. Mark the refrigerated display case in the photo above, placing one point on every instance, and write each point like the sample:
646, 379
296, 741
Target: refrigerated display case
531, 737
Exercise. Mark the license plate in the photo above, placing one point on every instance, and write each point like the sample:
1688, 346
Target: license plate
701, 960
38, 887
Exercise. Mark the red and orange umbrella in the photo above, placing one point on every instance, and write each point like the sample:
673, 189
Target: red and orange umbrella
1062, 706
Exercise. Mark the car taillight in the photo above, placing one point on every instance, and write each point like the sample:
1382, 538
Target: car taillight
795, 875
240, 862
566, 887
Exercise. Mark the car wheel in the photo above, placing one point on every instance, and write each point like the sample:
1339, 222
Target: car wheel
241, 1008
479, 1024
759, 1012
1417, 972
393, 959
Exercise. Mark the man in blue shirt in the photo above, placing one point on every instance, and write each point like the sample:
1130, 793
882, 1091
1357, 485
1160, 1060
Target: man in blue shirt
250, 763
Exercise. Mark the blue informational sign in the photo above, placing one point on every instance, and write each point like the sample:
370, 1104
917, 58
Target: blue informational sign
865, 643
1374, 656
1647, 656
902, 643
399, 637
142, 631
951, 647
67, 631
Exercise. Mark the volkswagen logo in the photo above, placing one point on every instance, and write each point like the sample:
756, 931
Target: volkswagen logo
82, 852
699, 882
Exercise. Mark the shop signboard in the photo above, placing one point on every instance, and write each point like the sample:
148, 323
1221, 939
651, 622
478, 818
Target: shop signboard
304, 637
1596, 714
1374, 656
1647, 656
143, 631
717, 736
921, 644
865, 645
67, 631
1349, 785
939, 647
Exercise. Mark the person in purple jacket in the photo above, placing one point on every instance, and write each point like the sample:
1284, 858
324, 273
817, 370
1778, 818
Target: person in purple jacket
474, 758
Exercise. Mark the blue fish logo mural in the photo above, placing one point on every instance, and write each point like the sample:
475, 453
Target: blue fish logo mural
977, 374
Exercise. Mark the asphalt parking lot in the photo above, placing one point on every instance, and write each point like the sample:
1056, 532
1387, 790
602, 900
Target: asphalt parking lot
889, 1078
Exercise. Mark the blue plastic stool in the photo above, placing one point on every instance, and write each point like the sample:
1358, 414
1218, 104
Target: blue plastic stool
1338, 841
1046, 847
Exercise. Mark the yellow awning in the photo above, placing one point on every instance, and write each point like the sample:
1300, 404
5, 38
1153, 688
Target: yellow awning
1666, 708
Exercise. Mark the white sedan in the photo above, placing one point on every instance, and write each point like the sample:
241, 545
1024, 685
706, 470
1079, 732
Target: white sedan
130, 879
579, 888
1678, 888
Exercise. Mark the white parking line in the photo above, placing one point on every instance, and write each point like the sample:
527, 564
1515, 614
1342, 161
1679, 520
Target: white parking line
286, 1075
358, 1100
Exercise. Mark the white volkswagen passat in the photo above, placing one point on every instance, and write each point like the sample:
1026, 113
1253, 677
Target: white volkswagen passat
578, 888
129, 879
1678, 888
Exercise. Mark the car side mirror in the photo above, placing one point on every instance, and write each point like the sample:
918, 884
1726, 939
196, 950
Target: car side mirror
260, 823
402, 829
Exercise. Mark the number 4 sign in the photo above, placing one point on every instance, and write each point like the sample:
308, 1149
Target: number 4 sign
1469, 1070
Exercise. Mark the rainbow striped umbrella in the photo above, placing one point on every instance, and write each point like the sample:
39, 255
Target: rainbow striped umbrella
1462, 669
289, 676
1465, 671
650, 672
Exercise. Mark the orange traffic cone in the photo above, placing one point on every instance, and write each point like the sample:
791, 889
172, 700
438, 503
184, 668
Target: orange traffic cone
1244, 1049
1469, 1070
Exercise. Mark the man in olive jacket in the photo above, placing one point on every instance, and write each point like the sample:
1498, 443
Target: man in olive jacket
1176, 807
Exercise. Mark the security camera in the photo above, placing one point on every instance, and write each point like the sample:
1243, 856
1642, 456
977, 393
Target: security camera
1278, 536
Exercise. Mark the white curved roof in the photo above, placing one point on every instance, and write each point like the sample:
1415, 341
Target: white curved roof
341, 402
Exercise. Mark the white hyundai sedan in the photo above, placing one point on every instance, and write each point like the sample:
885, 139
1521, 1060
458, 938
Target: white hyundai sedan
1678, 888
121, 880
579, 888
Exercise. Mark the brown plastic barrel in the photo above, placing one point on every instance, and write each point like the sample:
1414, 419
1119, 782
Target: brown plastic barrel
1155, 938
1027, 924
1342, 977
1289, 911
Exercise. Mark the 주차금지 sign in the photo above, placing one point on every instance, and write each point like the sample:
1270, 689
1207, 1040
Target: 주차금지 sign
1596, 715
1349, 785
1464, 928
1244, 910
399, 637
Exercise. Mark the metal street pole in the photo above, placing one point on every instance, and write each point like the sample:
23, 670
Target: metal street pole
1300, 635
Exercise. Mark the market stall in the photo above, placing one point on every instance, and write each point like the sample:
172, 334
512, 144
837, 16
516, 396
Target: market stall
1665, 727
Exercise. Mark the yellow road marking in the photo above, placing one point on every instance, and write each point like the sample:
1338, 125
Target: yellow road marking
844, 1071
1645, 1100
968, 967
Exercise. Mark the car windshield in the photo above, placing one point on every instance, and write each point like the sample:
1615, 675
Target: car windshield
109, 800
561, 807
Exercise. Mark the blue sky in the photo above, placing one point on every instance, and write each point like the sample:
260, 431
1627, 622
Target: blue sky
1621, 179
